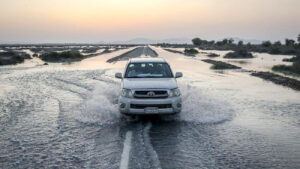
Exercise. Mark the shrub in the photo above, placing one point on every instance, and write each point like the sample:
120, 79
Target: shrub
275, 50
266, 44
293, 59
191, 51
213, 55
64, 56
10, 57
240, 54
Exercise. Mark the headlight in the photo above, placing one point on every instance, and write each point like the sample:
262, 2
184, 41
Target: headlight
126, 93
174, 92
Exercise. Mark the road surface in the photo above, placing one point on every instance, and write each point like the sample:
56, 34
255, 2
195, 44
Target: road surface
65, 116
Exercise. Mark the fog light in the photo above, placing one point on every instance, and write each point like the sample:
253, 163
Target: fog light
122, 105
179, 105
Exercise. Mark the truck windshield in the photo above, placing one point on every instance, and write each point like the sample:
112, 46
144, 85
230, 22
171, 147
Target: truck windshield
148, 70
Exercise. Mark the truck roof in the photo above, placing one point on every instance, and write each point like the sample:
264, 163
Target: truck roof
148, 59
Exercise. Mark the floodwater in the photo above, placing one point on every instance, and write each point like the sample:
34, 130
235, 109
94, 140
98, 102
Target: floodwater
66, 116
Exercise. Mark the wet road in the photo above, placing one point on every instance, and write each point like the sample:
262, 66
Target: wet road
65, 116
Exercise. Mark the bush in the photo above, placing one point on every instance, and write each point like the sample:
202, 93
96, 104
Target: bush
213, 55
294, 68
61, 57
190, 51
293, 59
240, 54
266, 44
275, 50
10, 57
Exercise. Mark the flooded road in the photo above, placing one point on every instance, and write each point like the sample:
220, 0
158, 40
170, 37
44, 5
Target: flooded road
66, 116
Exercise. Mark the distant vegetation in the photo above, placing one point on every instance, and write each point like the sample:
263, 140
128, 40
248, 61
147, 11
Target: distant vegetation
292, 69
289, 47
239, 54
62, 57
11, 57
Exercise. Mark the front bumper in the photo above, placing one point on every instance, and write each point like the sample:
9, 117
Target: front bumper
125, 105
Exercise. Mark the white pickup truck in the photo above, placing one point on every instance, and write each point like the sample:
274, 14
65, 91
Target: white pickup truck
149, 87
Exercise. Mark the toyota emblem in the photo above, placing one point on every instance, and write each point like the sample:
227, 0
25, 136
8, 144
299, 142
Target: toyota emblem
151, 94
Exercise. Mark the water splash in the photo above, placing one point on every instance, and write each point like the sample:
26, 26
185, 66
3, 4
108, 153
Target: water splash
200, 106
101, 107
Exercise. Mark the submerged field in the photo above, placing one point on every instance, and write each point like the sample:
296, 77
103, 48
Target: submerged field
65, 115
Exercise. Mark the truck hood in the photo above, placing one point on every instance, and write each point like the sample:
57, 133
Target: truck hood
149, 83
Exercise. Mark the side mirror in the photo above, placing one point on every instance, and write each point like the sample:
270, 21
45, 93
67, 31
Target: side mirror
118, 75
178, 75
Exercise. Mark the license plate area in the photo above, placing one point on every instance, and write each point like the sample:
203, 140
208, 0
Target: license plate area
151, 110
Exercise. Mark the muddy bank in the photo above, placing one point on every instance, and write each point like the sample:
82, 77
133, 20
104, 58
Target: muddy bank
136, 52
220, 65
277, 79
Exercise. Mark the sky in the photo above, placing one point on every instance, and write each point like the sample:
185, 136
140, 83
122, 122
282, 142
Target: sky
90, 21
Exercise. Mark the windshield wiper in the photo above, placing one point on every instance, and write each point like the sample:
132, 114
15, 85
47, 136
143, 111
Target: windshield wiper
135, 77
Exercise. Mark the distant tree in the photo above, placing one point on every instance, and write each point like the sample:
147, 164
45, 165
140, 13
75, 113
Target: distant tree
266, 44
230, 41
219, 43
240, 43
289, 42
211, 42
277, 43
248, 45
197, 41
225, 41
298, 39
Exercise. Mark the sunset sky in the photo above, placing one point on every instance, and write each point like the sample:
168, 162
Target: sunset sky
39, 21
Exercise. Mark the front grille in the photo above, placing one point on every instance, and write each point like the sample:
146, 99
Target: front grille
142, 106
145, 94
